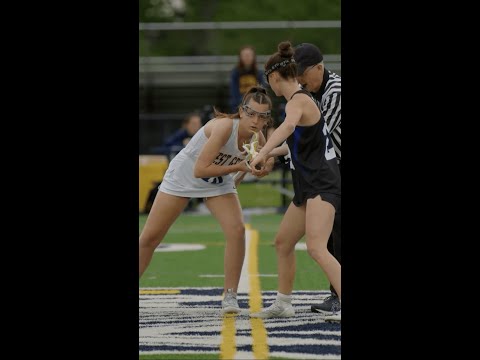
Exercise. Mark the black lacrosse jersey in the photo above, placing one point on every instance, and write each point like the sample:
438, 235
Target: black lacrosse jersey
313, 162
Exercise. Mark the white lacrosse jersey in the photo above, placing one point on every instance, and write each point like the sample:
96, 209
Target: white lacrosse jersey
179, 180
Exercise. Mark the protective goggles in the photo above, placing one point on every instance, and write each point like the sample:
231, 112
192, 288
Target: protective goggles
250, 112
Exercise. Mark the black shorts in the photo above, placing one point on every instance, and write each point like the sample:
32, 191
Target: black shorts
328, 197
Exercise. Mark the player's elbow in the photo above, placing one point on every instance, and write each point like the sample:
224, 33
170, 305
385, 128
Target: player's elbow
199, 171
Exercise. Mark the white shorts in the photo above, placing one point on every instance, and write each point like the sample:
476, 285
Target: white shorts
179, 181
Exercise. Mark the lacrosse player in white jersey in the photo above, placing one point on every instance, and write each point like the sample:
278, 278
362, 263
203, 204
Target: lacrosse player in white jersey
210, 167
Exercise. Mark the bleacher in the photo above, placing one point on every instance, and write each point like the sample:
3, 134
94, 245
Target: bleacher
172, 86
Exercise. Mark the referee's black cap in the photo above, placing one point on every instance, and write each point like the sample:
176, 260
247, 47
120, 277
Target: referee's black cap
306, 55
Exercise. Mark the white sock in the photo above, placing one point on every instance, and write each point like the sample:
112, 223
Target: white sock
232, 292
284, 298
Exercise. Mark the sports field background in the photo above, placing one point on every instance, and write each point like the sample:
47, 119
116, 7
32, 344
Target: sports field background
176, 269
168, 90
203, 269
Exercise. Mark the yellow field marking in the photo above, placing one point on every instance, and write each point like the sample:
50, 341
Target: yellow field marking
259, 334
228, 347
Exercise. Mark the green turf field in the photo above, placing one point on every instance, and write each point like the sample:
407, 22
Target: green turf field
161, 322
177, 269
263, 193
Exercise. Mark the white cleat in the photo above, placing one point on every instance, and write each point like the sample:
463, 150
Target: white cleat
334, 317
276, 310
230, 303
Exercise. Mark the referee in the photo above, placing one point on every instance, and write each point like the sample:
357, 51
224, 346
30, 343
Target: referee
326, 88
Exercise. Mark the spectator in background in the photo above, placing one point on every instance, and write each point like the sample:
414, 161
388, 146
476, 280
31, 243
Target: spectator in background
172, 146
244, 76
182, 136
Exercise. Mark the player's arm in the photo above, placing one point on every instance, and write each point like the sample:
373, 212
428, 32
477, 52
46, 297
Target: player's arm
269, 163
278, 151
294, 113
204, 166
238, 177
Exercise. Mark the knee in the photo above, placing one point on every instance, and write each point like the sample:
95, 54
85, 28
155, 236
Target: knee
282, 246
238, 230
318, 252
148, 241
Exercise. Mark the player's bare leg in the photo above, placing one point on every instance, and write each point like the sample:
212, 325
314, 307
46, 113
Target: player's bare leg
227, 210
319, 224
291, 230
165, 210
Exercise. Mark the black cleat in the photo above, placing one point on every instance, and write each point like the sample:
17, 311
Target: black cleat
330, 305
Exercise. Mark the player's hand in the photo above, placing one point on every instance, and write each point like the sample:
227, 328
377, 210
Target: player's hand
242, 166
257, 164
266, 169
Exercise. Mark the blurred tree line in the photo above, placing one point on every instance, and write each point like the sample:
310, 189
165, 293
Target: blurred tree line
227, 42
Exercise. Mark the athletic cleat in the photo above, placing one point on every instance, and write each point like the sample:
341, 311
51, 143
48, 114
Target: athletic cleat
335, 317
277, 309
230, 303
328, 306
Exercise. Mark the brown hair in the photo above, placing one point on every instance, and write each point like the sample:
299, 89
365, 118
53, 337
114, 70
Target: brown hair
282, 61
241, 65
256, 93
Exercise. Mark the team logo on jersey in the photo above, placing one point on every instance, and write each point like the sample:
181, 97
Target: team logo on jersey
288, 158
214, 180
222, 159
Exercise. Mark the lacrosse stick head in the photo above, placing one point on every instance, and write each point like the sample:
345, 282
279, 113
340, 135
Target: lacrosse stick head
251, 149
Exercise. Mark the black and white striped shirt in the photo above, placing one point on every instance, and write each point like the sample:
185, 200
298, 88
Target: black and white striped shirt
330, 103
